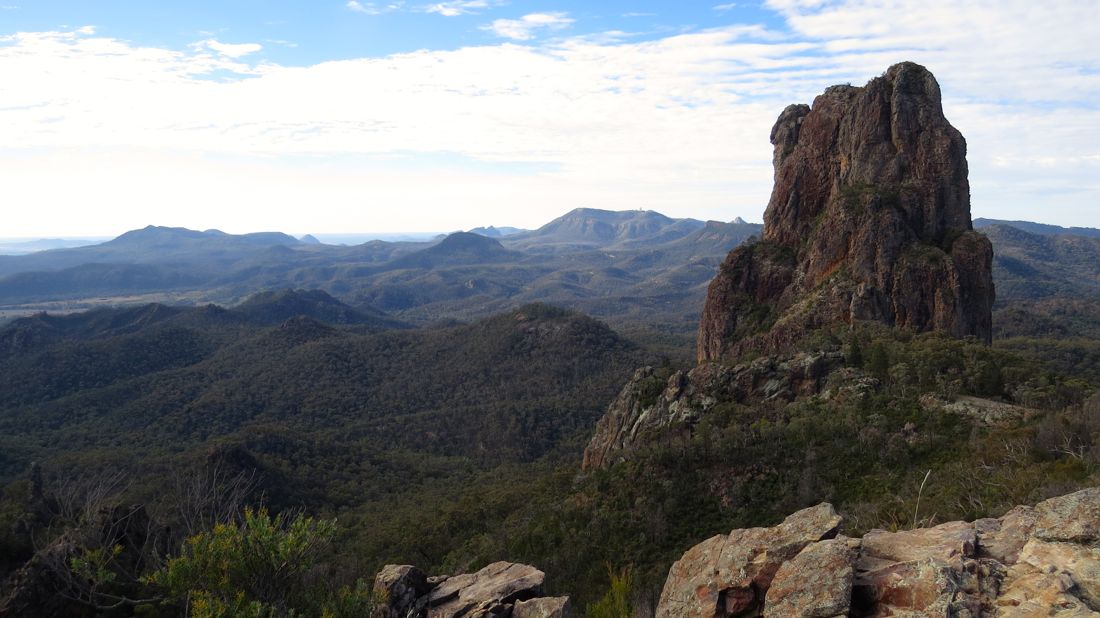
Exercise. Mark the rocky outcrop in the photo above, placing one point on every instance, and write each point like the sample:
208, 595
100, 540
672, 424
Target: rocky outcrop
728, 575
1033, 561
869, 219
501, 589
651, 404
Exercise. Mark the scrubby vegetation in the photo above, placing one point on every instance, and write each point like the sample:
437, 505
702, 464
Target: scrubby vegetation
455, 447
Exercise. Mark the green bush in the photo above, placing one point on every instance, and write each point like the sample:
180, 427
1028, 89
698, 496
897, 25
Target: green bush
616, 603
262, 567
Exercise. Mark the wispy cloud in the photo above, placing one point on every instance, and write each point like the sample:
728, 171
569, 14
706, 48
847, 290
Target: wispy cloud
725, 7
373, 8
456, 7
525, 28
229, 50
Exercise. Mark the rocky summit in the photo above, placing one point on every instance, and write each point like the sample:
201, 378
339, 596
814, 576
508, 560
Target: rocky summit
1033, 561
869, 219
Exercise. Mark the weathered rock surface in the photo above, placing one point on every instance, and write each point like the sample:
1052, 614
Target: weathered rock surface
1041, 561
985, 412
729, 575
869, 219
648, 405
503, 589
817, 583
546, 607
405, 587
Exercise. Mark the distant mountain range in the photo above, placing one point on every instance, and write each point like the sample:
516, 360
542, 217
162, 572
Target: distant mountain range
627, 267
22, 246
1040, 228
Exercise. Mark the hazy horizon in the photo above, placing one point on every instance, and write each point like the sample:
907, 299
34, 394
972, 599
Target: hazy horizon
367, 235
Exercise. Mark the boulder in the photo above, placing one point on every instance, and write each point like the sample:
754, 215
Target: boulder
489, 592
929, 570
1072, 518
728, 575
1033, 561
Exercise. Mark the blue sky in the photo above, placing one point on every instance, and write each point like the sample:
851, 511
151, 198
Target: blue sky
304, 33
355, 116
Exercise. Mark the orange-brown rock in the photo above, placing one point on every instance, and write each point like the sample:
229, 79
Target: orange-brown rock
1040, 561
869, 219
817, 583
729, 575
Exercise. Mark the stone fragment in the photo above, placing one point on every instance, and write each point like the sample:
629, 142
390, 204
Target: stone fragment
405, 589
817, 583
949, 543
545, 607
1002, 539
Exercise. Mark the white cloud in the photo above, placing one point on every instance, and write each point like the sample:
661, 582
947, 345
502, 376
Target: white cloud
229, 50
725, 7
524, 28
371, 8
86, 30
457, 7
91, 125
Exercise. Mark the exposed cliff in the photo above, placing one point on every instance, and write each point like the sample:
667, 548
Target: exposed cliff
869, 219
1033, 561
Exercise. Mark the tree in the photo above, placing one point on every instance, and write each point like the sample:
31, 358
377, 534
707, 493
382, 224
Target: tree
261, 567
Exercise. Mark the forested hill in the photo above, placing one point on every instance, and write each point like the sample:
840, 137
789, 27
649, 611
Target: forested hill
311, 402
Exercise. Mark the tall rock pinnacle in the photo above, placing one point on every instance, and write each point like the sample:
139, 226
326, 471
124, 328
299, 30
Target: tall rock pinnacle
869, 219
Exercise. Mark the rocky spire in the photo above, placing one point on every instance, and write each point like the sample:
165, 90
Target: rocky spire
869, 219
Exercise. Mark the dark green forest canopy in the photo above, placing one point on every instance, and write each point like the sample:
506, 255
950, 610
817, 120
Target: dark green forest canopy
454, 446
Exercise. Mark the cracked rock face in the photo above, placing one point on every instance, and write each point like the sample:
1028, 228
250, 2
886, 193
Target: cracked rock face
1033, 561
869, 219
501, 589
728, 575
